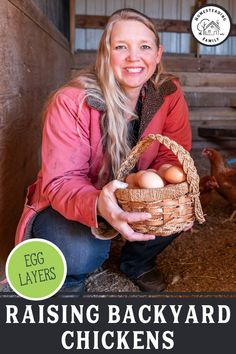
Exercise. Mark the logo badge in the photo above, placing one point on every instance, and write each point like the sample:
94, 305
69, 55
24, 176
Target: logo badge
211, 25
36, 269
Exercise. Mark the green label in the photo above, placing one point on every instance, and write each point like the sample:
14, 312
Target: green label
36, 269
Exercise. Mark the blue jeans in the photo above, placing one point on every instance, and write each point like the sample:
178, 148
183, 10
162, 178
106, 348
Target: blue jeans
84, 253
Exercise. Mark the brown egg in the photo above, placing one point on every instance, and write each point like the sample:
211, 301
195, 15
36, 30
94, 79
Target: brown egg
137, 175
130, 179
175, 174
150, 179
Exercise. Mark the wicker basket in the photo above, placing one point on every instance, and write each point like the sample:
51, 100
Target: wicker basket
173, 207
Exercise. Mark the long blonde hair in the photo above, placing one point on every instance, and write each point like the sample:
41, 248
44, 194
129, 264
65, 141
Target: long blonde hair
100, 83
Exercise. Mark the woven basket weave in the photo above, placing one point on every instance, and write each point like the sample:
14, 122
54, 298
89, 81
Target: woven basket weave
173, 207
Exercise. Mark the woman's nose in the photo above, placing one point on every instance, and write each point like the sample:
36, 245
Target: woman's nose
133, 55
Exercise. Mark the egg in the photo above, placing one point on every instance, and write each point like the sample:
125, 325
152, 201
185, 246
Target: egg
137, 175
175, 174
152, 170
149, 179
130, 179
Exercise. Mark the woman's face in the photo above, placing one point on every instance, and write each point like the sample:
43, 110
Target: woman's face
134, 54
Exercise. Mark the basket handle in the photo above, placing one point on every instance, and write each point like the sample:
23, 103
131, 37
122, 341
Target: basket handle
184, 158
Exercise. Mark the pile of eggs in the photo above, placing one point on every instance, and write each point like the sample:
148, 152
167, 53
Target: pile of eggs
151, 179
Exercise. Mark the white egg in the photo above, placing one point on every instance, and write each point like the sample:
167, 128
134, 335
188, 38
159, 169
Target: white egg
149, 179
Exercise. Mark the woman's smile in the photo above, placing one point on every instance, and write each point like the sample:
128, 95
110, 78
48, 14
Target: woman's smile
134, 70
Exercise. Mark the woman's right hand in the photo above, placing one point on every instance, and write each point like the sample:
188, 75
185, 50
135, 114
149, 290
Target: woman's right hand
119, 219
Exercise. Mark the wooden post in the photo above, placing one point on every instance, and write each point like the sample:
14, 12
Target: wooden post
72, 25
196, 47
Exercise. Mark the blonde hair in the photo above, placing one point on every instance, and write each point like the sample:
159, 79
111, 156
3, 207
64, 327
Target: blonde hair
99, 82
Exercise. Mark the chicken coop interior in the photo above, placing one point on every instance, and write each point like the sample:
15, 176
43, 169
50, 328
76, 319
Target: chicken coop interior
44, 43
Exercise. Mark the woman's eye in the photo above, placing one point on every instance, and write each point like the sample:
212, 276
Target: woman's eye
120, 47
145, 46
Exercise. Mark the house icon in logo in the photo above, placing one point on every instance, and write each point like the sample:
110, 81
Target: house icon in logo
209, 28
212, 28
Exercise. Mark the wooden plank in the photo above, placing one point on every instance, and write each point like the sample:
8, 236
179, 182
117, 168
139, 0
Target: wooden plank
209, 117
195, 126
215, 144
188, 63
98, 22
217, 132
175, 63
163, 25
90, 21
218, 64
209, 99
207, 79
204, 115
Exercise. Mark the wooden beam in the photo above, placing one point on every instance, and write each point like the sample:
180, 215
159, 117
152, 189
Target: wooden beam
233, 30
163, 25
99, 22
90, 21
176, 26
200, 3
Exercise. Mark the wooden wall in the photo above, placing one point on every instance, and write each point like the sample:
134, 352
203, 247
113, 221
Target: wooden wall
163, 9
34, 60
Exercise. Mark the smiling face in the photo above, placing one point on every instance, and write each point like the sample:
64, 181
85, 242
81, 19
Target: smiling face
134, 54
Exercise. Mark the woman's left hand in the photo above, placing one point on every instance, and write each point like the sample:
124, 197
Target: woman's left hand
119, 219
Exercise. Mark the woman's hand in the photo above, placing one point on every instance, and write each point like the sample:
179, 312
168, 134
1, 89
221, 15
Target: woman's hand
109, 209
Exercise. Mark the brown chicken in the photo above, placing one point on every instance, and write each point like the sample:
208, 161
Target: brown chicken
206, 186
225, 177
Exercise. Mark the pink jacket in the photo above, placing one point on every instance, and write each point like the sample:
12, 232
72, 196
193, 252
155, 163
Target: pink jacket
72, 151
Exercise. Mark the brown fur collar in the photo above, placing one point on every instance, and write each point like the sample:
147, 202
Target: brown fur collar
153, 100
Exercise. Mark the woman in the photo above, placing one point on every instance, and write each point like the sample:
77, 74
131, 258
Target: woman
90, 126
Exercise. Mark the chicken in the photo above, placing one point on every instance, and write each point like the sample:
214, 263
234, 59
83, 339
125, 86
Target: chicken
225, 177
206, 186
